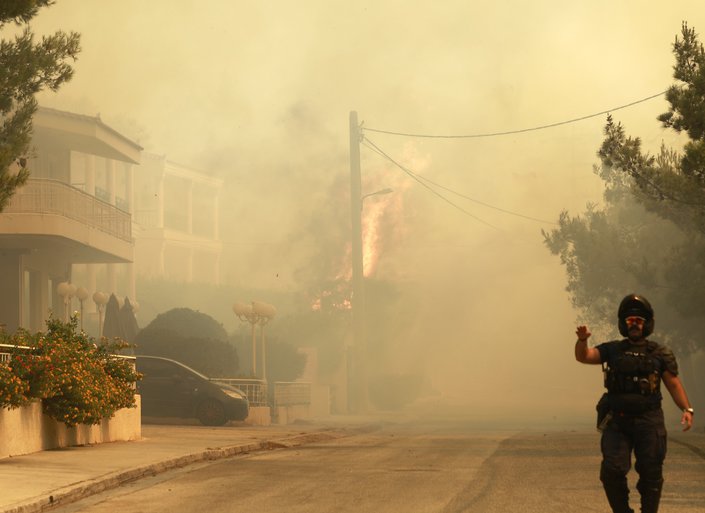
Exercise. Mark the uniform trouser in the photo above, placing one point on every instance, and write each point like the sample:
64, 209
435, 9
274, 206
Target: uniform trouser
645, 435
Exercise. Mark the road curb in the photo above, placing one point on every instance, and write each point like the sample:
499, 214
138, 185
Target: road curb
83, 489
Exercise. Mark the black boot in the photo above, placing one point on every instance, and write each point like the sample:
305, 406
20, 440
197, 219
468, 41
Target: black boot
650, 495
617, 491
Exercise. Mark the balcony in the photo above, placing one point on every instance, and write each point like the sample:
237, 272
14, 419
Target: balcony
51, 211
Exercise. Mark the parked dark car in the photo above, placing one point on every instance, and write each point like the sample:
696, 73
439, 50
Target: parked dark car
171, 389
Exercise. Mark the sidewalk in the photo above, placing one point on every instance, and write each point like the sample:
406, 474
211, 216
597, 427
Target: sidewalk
31, 482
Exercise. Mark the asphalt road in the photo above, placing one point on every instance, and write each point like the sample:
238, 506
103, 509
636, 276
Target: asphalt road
410, 467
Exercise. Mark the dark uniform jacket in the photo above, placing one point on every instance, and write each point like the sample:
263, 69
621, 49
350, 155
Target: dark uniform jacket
633, 374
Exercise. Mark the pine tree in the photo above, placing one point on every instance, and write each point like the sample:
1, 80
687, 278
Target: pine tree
26, 67
650, 235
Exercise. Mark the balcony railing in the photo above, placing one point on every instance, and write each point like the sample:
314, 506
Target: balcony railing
44, 196
147, 218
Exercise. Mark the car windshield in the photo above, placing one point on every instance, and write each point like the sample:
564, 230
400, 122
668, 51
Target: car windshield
174, 362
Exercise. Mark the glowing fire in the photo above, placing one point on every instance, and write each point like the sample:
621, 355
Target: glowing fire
382, 215
382, 222
371, 245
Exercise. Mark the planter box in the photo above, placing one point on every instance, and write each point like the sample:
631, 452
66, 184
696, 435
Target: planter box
26, 430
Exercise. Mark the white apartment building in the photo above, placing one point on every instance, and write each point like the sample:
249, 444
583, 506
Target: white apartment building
176, 222
71, 222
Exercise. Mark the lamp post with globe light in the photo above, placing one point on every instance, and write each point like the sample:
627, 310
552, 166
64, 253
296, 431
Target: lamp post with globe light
255, 313
66, 290
100, 299
82, 295
266, 313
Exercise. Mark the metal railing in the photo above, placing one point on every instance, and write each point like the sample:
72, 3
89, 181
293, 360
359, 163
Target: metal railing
7, 350
292, 393
147, 218
285, 393
254, 389
45, 196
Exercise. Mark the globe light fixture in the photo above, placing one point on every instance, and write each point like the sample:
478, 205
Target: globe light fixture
256, 313
66, 291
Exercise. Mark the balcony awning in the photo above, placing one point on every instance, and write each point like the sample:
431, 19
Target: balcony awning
86, 134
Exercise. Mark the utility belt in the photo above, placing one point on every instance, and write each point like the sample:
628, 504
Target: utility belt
624, 405
633, 404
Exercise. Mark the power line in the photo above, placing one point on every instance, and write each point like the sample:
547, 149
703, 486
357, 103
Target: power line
413, 175
520, 131
487, 204
418, 177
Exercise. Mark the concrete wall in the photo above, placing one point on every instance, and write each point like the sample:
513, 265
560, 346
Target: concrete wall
289, 414
26, 430
259, 416
319, 406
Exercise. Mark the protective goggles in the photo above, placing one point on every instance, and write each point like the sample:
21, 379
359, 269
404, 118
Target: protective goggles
633, 319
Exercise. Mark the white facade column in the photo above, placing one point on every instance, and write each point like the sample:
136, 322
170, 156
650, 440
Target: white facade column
92, 286
110, 171
90, 174
189, 209
131, 287
160, 260
130, 197
216, 271
216, 216
160, 209
130, 192
189, 266
112, 279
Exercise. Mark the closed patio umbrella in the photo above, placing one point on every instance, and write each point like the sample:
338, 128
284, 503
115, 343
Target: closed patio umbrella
112, 326
129, 322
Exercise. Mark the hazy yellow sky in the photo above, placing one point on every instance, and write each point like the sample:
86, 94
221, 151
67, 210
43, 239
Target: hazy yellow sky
259, 93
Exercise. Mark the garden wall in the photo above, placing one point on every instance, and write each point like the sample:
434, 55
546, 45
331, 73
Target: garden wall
26, 430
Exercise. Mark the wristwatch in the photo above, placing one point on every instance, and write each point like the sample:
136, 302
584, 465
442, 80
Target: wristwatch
689, 410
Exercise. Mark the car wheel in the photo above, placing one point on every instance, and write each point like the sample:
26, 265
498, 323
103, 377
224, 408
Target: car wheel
211, 413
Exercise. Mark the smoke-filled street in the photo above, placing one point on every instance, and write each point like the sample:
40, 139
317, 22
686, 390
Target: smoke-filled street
481, 223
417, 466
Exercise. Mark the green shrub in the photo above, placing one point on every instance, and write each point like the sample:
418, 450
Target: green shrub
77, 380
192, 338
189, 323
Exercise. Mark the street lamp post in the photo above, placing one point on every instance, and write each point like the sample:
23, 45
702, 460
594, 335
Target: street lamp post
256, 313
382, 191
266, 313
100, 299
66, 290
82, 295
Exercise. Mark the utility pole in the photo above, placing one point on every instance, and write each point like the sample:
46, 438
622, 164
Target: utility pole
358, 284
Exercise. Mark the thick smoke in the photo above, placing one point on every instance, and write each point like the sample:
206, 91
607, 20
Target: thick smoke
259, 94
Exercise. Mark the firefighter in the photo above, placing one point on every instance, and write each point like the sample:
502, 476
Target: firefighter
630, 414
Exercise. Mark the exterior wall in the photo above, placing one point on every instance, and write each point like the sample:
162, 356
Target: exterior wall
259, 416
26, 430
289, 414
176, 222
10, 299
75, 209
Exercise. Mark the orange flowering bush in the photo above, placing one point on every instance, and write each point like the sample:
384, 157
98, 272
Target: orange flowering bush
13, 391
78, 381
